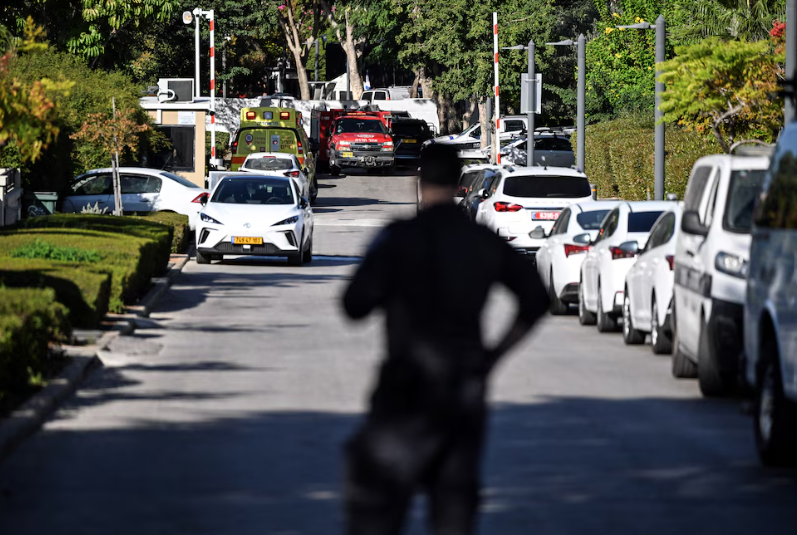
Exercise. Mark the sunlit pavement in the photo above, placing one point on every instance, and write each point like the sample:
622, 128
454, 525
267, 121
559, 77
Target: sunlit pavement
224, 414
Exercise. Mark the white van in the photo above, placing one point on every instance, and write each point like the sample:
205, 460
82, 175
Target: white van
386, 93
711, 262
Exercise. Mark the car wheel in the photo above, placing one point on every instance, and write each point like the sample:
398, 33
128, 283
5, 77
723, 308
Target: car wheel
774, 416
712, 382
585, 317
297, 258
334, 170
558, 308
307, 256
660, 339
606, 322
631, 336
202, 258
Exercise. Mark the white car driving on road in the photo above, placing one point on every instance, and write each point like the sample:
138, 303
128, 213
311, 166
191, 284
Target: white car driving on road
560, 256
647, 306
624, 231
522, 200
143, 190
255, 215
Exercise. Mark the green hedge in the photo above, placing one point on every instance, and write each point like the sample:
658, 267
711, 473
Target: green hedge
29, 320
133, 250
619, 157
84, 293
181, 237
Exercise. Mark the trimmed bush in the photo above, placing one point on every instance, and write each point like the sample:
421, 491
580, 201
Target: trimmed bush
29, 320
83, 292
181, 237
620, 157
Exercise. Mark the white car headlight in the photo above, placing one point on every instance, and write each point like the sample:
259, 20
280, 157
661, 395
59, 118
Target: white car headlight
207, 219
731, 265
289, 221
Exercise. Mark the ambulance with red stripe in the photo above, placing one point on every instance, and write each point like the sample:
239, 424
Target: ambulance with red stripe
273, 130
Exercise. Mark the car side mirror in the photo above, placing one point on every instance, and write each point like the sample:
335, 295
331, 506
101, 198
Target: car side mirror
583, 239
690, 224
538, 234
203, 199
483, 193
630, 247
303, 202
306, 171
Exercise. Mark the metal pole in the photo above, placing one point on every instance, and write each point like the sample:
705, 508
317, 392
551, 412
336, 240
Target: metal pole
212, 89
316, 59
197, 16
489, 132
791, 51
581, 98
497, 142
348, 80
659, 157
532, 106
224, 68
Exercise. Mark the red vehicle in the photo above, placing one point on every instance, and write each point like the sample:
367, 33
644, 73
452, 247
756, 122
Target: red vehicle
361, 139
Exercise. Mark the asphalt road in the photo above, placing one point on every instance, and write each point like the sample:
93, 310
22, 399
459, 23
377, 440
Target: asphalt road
224, 415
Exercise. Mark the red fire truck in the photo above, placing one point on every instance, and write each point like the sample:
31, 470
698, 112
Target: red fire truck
360, 139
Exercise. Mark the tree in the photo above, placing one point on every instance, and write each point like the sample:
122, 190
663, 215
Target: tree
749, 20
28, 117
300, 21
727, 89
344, 26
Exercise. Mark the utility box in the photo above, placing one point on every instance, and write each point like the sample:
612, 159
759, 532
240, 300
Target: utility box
176, 90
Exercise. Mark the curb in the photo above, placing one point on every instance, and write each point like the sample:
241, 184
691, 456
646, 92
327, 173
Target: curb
28, 418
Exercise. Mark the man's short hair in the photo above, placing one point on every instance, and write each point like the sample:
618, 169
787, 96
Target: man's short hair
440, 166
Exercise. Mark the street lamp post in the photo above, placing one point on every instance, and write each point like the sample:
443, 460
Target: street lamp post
581, 96
659, 132
532, 81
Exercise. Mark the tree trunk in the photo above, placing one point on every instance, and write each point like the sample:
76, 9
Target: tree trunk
484, 120
291, 32
301, 73
349, 45
415, 84
470, 109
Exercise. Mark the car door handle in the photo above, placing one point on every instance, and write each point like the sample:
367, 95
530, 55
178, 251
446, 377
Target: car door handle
145, 200
690, 253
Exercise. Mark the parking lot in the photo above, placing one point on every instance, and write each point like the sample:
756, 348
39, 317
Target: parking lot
225, 413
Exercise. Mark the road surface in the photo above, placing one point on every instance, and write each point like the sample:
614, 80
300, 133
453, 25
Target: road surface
225, 412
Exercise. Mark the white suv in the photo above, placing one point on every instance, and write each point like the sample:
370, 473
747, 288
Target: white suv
770, 315
711, 263
523, 203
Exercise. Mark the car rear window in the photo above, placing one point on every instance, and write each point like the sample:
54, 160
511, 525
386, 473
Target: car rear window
591, 220
642, 221
401, 128
180, 180
466, 182
553, 144
561, 187
268, 164
743, 191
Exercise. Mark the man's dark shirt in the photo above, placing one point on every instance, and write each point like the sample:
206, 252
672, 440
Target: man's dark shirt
432, 275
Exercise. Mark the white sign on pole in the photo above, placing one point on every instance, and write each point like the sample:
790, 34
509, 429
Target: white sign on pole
524, 94
186, 118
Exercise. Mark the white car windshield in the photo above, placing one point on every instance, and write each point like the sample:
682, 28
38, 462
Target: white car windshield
268, 164
240, 190
545, 187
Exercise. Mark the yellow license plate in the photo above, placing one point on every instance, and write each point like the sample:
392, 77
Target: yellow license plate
246, 240
347, 154
410, 141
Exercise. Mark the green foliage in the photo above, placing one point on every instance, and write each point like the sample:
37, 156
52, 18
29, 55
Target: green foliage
29, 320
48, 251
620, 152
222, 143
725, 89
181, 236
748, 20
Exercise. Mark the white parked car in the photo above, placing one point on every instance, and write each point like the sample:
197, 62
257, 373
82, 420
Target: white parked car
560, 256
255, 215
523, 203
272, 163
511, 126
549, 149
623, 232
143, 190
711, 263
770, 315
647, 304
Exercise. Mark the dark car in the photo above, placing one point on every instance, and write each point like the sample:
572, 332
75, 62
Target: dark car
482, 181
408, 138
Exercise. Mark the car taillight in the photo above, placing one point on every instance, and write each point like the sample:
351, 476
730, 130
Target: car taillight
575, 249
198, 198
462, 191
506, 207
670, 260
301, 149
235, 144
618, 253
294, 174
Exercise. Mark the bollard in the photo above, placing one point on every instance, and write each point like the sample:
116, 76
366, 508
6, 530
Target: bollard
594, 189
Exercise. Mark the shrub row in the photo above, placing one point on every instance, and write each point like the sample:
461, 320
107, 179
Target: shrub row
619, 157
29, 319
181, 237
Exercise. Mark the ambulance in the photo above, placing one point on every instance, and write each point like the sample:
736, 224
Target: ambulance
273, 130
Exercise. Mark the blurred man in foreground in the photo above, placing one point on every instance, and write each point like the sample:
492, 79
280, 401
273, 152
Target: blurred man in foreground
425, 428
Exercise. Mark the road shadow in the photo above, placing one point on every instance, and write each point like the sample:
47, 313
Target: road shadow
556, 466
323, 202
